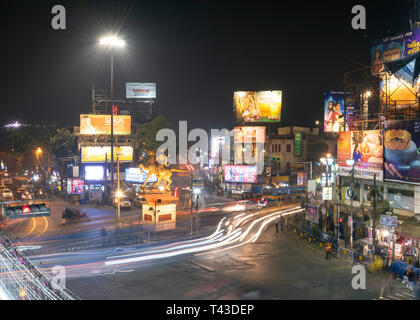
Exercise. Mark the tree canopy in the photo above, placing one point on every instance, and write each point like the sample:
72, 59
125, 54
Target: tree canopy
146, 134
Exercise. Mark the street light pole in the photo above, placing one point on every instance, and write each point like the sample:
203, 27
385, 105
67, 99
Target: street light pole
112, 118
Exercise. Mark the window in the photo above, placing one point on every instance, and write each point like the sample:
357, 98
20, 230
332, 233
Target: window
279, 147
272, 148
288, 148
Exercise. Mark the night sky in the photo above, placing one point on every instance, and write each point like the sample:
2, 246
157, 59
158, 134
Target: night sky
198, 52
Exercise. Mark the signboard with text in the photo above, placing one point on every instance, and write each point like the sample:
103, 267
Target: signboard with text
140, 90
101, 124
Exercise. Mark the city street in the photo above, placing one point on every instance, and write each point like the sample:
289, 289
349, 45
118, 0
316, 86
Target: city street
275, 267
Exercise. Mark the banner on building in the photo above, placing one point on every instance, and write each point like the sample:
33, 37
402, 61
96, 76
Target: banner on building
401, 153
101, 124
366, 149
257, 106
297, 146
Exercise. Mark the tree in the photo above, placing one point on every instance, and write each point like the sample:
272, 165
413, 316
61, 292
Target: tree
63, 143
146, 134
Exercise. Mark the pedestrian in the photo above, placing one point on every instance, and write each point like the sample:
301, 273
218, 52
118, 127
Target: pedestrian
276, 222
328, 250
281, 223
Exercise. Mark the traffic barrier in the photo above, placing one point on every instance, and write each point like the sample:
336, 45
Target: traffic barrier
345, 254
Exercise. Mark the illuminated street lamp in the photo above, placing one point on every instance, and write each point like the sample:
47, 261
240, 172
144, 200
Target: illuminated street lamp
38, 151
111, 42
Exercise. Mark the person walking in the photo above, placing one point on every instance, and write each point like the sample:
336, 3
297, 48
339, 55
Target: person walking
281, 223
328, 250
277, 224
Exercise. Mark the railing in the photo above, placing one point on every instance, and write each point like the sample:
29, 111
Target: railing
345, 254
21, 280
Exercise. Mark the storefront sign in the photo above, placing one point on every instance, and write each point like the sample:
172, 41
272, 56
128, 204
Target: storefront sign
327, 193
388, 221
298, 144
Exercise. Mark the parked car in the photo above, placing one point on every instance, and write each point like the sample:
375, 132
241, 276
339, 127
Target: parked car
6, 195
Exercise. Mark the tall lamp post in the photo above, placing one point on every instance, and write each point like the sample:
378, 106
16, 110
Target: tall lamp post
350, 162
111, 42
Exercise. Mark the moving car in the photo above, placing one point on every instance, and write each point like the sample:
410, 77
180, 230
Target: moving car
124, 202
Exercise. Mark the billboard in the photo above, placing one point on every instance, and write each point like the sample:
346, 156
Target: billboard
333, 111
135, 175
401, 142
366, 149
98, 154
241, 173
140, 90
249, 134
101, 124
94, 173
257, 106
394, 48
75, 186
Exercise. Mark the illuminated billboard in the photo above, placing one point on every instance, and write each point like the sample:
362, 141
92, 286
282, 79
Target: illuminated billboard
249, 134
135, 175
401, 142
257, 106
75, 186
98, 154
333, 111
140, 90
94, 173
240, 173
101, 124
394, 48
366, 149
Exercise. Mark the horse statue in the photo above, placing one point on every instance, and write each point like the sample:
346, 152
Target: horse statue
160, 171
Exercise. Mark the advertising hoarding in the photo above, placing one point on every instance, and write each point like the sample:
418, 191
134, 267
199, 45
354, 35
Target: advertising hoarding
98, 154
94, 173
140, 90
394, 48
249, 134
366, 149
333, 111
401, 142
240, 173
101, 124
135, 175
257, 106
75, 186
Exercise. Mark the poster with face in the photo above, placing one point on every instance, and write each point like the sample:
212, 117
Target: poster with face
333, 111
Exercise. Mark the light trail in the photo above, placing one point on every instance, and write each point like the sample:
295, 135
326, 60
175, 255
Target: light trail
220, 238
